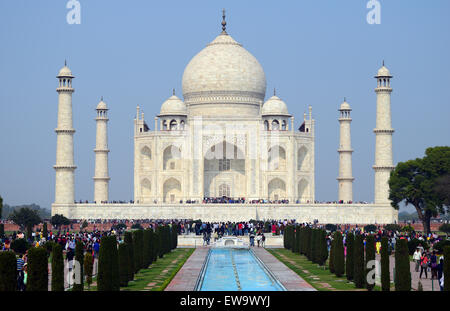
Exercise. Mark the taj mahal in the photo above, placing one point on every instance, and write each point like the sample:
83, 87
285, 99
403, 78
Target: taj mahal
223, 152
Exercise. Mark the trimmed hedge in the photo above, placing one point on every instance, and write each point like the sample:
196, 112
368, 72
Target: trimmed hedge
358, 262
338, 253
385, 274
331, 261
129, 240
147, 248
350, 257
20, 246
108, 265
124, 264
37, 269
88, 268
8, 272
323, 249
402, 267
446, 271
57, 268
79, 256
370, 255
138, 245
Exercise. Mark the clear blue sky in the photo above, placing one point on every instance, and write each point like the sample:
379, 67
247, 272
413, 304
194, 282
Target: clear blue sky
134, 52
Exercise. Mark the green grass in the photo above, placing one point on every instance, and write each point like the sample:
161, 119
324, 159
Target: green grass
315, 274
154, 272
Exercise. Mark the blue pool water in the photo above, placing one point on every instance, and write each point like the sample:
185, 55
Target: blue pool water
229, 269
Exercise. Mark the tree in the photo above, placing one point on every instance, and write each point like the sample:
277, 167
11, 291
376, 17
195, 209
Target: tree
338, 253
446, 271
331, 261
349, 258
146, 248
45, 230
108, 265
370, 256
124, 265
88, 267
59, 220
1, 206
84, 225
20, 246
385, 274
358, 263
402, 267
8, 272
129, 241
442, 189
138, 240
323, 249
79, 257
57, 268
25, 217
2, 231
445, 228
37, 269
417, 182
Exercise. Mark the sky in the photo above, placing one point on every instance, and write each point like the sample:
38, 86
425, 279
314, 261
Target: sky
133, 53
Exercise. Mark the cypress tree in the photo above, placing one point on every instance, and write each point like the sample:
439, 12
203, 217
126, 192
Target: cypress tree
137, 249
358, 262
8, 272
37, 269
349, 258
308, 243
302, 240
331, 261
174, 231
298, 238
124, 264
370, 255
2, 230
156, 243
146, 248
108, 265
385, 274
323, 249
57, 268
446, 271
45, 231
312, 246
79, 257
339, 264
402, 267
129, 240
160, 231
168, 240
294, 241
29, 232
88, 267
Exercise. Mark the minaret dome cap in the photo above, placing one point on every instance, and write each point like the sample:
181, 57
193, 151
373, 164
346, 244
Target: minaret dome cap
102, 105
65, 72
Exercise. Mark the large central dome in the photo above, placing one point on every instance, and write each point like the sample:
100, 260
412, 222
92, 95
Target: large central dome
224, 73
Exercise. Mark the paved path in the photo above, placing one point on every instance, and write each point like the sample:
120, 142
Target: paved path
187, 276
290, 280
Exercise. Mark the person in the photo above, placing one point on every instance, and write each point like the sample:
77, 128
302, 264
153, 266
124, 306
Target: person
25, 276
423, 265
252, 239
258, 239
20, 273
416, 258
263, 240
96, 249
433, 265
440, 273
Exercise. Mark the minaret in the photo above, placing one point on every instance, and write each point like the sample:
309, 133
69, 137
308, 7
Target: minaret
345, 179
101, 178
64, 167
383, 136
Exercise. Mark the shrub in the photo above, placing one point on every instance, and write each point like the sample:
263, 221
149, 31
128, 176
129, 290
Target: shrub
312, 245
370, 255
408, 228
358, 262
20, 246
147, 248
57, 267
339, 264
308, 242
323, 249
331, 261
37, 269
8, 272
79, 257
414, 243
385, 274
88, 267
402, 267
138, 240
330, 227
349, 258
124, 264
2, 230
129, 240
108, 265
446, 271
370, 228
445, 228
298, 237
393, 227
157, 243
439, 246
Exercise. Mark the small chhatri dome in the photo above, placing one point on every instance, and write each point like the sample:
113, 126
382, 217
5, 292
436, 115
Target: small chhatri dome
383, 72
173, 106
102, 105
65, 72
274, 106
345, 106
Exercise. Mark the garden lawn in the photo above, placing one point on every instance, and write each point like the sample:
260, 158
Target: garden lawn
320, 278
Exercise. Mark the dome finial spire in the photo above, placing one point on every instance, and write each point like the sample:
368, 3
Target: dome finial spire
224, 23
101, 98
383, 62
173, 91
65, 62
274, 92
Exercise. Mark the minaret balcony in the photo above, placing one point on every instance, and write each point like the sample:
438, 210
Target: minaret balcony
70, 131
383, 131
